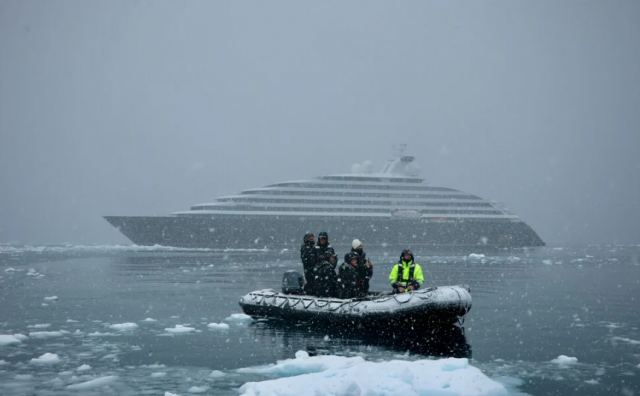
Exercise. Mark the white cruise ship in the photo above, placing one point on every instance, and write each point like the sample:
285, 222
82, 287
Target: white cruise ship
393, 207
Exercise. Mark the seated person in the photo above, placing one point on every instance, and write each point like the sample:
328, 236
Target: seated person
406, 275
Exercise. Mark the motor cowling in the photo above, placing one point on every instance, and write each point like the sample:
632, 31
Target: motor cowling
292, 282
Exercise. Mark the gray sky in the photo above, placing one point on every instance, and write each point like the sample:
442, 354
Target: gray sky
140, 107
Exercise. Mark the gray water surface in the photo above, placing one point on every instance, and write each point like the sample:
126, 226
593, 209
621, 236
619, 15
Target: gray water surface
529, 307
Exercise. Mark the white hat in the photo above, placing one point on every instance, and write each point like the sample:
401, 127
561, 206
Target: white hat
356, 243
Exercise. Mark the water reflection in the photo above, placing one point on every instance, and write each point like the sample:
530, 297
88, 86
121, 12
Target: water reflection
440, 341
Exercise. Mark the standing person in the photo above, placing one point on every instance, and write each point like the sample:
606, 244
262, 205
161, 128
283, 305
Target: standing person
406, 275
325, 269
309, 259
348, 277
365, 266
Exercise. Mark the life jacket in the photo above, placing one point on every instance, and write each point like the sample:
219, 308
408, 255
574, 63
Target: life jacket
400, 274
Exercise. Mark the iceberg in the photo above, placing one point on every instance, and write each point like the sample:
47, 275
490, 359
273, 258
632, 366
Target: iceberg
341, 375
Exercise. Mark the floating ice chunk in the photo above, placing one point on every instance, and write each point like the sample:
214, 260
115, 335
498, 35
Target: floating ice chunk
592, 381
216, 374
39, 326
128, 326
8, 339
326, 338
47, 334
170, 394
149, 320
218, 326
340, 375
476, 256
198, 389
10, 269
51, 298
100, 334
158, 374
547, 262
564, 360
625, 339
94, 383
72, 321
84, 367
45, 359
238, 318
4, 362
179, 329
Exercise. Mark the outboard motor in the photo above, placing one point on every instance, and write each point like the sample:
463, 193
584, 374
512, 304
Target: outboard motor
292, 282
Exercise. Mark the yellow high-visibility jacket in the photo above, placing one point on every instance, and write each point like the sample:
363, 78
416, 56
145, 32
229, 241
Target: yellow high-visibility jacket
406, 270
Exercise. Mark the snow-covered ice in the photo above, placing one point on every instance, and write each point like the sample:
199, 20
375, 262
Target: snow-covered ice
238, 318
8, 339
198, 389
39, 326
218, 326
45, 359
179, 329
216, 374
340, 375
128, 326
94, 383
47, 334
564, 361
626, 340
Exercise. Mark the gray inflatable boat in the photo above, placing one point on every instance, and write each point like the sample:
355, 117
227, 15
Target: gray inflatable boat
424, 307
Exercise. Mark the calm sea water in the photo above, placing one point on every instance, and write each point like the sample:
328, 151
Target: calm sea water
137, 318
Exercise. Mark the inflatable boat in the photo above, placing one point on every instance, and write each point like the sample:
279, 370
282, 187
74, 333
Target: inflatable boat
423, 307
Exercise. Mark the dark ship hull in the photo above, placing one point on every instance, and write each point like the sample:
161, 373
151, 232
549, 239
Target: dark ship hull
259, 231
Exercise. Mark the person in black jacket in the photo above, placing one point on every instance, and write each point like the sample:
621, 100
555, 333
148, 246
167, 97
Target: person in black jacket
309, 260
365, 266
325, 268
348, 279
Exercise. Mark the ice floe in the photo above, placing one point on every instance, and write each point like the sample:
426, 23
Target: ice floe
46, 359
94, 383
39, 326
158, 374
149, 320
218, 326
8, 339
179, 329
84, 367
216, 374
564, 360
340, 375
47, 334
51, 298
128, 326
476, 256
198, 389
625, 340
238, 318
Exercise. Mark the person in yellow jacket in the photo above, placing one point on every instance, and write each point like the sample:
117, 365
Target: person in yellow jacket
406, 275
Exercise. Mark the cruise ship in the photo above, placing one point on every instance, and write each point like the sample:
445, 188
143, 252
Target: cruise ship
392, 207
